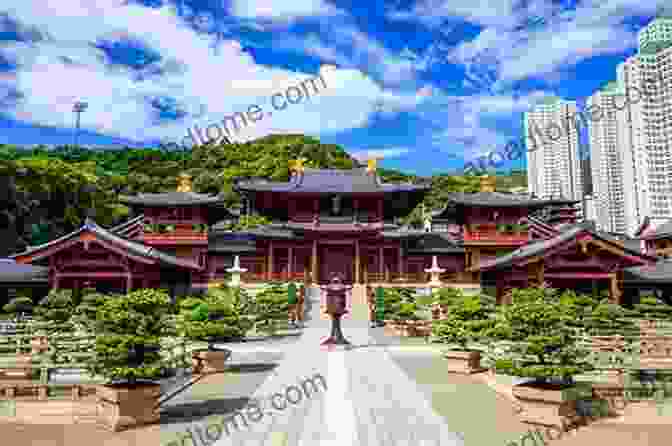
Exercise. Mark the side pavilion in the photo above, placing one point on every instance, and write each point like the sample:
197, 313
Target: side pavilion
578, 258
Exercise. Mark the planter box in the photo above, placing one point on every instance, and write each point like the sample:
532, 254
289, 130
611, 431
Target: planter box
209, 361
407, 328
423, 328
123, 406
21, 369
464, 362
546, 404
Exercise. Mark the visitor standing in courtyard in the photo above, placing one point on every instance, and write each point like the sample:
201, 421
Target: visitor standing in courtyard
293, 301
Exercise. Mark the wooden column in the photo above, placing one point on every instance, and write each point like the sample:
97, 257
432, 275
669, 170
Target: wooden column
314, 262
540, 272
270, 260
129, 281
357, 262
615, 295
380, 209
400, 263
500, 286
290, 255
475, 258
381, 265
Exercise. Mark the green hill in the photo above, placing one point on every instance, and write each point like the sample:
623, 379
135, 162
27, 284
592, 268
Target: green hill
45, 193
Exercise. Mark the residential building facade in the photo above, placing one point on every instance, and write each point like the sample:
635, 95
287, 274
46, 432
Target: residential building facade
631, 143
554, 168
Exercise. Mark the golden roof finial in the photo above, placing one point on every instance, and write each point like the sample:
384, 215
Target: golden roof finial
372, 164
296, 166
488, 183
184, 182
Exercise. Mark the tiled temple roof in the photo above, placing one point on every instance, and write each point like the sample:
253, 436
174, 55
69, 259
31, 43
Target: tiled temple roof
231, 242
436, 243
658, 273
501, 199
132, 247
663, 231
172, 199
123, 227
494, 200
330, 181
539, 247
645, 223
274, 230
17, 273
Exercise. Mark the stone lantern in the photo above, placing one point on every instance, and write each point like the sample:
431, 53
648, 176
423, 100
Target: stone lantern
435, 272
336, 293
235, 272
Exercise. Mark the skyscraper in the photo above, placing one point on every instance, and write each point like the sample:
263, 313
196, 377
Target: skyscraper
632, 142
552, 144
606, 160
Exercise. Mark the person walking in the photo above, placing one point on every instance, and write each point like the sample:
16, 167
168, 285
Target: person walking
293, 302
299, 305
377, 307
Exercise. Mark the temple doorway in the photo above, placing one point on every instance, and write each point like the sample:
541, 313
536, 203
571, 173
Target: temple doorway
336, 259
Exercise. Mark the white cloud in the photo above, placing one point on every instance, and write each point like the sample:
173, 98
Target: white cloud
532, 41
347, 46
205, 85
364, 155
282, 9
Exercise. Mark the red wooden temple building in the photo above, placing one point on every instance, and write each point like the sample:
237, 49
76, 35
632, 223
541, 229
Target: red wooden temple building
345, 222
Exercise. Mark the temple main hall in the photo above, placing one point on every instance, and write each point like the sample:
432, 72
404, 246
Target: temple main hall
327, 222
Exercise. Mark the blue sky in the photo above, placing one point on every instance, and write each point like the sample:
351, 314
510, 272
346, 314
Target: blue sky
426, 84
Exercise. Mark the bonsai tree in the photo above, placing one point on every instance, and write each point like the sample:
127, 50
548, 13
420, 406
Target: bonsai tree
397, 304
448, 296
406, 311
217, 317
19, 306
650, 308
56, 307
129, 330
269, 307
85, 312
541, 343
578, 306
468, 319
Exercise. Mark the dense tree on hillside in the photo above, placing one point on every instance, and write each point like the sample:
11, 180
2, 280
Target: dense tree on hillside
45, 193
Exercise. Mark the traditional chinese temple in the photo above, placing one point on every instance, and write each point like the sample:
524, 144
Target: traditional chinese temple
345, 222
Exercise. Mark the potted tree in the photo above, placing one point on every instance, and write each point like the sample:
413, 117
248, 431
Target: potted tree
54, 313
217, 317
19, 306
613, 338
129, 329
468, 319
653, 314
541, 347
443, 299
269, 308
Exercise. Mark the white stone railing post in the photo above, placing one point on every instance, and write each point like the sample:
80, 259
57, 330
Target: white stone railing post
235, 271
435, 272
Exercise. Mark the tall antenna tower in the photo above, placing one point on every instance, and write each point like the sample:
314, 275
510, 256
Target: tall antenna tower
78, 109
